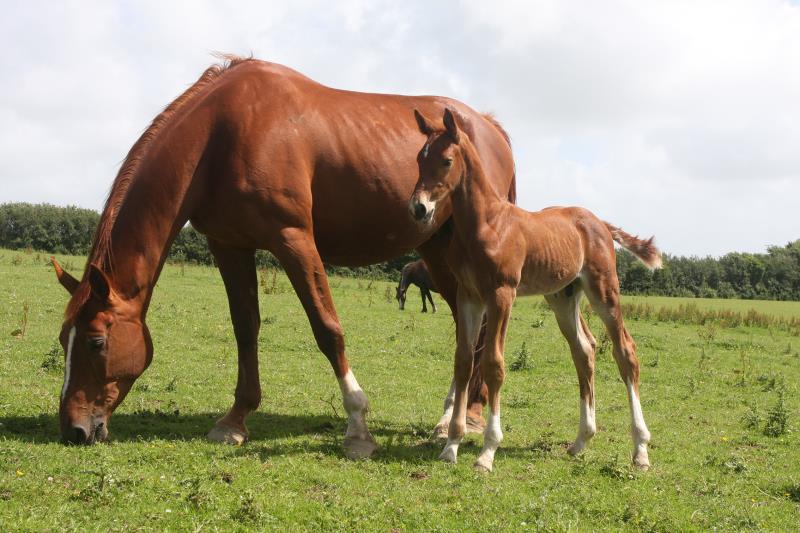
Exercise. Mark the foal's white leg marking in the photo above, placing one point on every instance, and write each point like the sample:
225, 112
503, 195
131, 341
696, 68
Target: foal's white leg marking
586, 429
440, 431
357, 440
68, 363
492, 437
639, 431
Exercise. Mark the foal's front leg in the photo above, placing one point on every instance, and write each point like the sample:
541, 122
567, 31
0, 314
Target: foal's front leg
470, 314
498, 311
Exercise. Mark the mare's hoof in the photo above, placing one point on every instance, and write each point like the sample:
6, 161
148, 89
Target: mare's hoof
227, 435
440, 432
358, 448
641, 461
475, 424
575, 448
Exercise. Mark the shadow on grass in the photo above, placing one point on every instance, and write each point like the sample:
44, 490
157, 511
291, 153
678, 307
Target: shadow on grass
268, 434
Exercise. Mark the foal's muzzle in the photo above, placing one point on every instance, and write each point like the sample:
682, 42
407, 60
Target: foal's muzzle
421, 208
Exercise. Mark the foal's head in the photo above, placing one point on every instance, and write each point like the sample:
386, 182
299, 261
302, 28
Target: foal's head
441, 166
107, 347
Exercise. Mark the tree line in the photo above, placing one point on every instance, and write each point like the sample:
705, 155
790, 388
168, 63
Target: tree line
774, 275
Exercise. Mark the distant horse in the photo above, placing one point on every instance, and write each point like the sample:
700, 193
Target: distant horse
499, 251
256, 156
416, 273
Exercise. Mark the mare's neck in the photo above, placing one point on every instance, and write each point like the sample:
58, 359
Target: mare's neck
156, 206
475, 201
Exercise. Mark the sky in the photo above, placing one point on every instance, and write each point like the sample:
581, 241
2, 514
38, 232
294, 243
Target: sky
677, 119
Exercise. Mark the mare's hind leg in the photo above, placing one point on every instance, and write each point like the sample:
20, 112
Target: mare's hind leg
603, 293
238, 270
298, 254
566, 306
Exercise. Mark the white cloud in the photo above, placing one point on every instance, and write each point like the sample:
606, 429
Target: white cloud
673, 118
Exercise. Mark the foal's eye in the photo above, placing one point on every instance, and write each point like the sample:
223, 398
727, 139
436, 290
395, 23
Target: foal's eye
96, 343
447, 162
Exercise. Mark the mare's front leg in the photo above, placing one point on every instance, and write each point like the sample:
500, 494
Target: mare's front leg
237, 267
298, 254
470, 314
498, 311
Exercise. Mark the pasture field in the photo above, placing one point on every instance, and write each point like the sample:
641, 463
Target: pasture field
722, 405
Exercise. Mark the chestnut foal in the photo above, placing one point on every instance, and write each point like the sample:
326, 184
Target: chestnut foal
499, 251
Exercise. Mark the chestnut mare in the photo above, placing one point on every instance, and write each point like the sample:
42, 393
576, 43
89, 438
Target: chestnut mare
255, 155
416, 273
498, 251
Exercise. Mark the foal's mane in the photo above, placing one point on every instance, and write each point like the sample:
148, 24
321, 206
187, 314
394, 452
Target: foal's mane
101, 254
512, 191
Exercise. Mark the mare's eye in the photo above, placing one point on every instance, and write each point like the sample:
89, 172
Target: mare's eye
96, 343
447, 162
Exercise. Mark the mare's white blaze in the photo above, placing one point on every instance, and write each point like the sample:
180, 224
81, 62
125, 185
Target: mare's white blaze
492, 437
68, 362
355, 403
639, 431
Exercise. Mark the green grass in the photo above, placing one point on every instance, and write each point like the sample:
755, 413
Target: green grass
709, 395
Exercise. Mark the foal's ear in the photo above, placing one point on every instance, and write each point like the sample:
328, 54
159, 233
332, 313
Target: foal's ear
64, 278
450, 126
100, 284
423, 123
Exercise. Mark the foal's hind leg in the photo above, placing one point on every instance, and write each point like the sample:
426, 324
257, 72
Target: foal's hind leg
237, 267
566, 306
604, 297
422, 293
298, 254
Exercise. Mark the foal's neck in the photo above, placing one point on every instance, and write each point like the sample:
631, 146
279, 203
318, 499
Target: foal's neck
475, 200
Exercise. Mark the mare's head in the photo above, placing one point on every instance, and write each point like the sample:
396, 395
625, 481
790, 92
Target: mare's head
441, 166
400, 296
107, 347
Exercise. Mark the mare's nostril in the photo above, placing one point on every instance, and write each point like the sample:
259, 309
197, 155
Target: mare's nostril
419, 211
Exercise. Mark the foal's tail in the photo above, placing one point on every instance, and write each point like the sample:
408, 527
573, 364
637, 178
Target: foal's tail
643, 249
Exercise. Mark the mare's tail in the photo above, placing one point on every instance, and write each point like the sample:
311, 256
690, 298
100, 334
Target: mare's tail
643, 249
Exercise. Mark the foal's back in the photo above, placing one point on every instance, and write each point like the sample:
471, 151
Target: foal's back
559, 243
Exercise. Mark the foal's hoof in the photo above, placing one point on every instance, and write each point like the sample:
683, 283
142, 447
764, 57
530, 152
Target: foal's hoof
483, 464
440, 432
475, 424
448, 455
227, 435
359, 448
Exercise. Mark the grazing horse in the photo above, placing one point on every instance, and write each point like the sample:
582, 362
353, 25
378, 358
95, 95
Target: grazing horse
256, 156
498, 251
417, 273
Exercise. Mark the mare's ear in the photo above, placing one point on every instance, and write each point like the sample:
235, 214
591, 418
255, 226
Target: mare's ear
423, 123
450, 126
64, 278
100, 284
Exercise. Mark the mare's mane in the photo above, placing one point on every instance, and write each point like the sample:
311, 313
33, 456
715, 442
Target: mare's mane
100, 254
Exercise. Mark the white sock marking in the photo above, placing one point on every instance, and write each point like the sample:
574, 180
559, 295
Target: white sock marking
639, 428
492, 437
355, 403
68, 362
